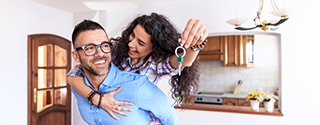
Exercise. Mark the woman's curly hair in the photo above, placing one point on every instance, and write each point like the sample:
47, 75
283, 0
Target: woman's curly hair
164, 37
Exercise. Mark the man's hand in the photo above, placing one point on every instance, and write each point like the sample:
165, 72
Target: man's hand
194, 33
111, 105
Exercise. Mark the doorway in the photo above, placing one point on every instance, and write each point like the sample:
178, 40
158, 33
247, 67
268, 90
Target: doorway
49, 96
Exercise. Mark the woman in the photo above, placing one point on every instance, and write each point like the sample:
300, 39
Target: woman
147, 46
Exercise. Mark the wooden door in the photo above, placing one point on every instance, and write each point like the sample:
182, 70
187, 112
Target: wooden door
49, 97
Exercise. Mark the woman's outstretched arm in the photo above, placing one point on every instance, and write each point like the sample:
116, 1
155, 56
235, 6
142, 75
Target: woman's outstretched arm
195, 33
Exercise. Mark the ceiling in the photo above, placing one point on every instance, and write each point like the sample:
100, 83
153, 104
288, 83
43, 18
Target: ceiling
76, 6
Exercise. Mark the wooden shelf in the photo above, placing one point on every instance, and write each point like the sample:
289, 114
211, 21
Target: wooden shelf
230, 109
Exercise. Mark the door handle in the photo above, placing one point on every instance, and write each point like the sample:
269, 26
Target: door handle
35, 95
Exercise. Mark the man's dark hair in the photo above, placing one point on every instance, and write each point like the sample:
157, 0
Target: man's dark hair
85, 25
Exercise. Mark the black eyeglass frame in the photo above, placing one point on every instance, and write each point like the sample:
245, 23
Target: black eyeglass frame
96, 45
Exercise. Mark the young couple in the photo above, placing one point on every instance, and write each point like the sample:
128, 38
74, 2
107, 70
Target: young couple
109, 70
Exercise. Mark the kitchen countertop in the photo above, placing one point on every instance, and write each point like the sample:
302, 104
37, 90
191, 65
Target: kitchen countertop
231, 109
226, 95
225, 108
231, 95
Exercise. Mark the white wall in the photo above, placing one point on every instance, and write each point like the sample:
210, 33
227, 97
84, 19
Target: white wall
18, 19
300, 55
266, 50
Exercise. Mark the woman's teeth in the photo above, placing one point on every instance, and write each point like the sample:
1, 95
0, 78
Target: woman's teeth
133, 50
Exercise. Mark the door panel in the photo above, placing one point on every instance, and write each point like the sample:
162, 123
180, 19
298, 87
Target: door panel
44, 99
45, 78
55, 118
60, 77
49, 97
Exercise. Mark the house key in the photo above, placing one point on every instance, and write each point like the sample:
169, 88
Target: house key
180, 56
177, 98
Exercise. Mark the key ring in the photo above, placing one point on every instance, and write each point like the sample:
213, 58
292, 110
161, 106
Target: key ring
180, 47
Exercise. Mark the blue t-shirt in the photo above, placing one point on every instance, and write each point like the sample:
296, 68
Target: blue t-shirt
137, 89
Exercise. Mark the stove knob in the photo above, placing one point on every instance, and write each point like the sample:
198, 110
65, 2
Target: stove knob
218, 100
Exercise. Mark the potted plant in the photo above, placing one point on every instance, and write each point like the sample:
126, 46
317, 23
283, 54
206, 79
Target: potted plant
254, 99
268, 99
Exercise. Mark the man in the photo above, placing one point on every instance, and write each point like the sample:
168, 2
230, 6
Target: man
93, 51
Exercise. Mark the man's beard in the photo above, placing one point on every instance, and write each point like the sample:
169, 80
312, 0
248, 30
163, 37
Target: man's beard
91, 70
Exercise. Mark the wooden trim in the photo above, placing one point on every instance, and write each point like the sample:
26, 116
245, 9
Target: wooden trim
211, 53
30, 87
230, 109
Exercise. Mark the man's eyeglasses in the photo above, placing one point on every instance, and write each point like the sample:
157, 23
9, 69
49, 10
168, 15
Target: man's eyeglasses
91, 49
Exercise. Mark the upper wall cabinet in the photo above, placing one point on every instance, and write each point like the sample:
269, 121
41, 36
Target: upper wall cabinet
213, 50
239, 51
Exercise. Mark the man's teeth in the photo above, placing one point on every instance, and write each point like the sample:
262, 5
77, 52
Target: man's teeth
100, 62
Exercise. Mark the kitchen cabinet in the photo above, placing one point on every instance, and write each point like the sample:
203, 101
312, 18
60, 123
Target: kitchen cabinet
241, 102
239, 51
213, 50
235, 50
230, 102
244, 102
235, 102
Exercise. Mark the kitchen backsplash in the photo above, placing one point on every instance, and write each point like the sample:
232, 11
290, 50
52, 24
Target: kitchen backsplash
215, 77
